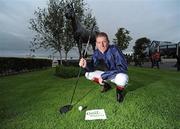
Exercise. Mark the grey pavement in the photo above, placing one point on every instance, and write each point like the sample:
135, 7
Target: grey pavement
170, 65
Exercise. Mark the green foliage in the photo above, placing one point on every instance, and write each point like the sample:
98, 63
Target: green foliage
48, 24
140, 45
122, 38
67, 71
69, 41
89, 20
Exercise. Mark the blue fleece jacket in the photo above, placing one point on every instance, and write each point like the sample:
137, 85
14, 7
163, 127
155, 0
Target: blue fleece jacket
114, 60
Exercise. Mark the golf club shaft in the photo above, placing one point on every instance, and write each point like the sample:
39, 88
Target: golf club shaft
76, 85
80, 69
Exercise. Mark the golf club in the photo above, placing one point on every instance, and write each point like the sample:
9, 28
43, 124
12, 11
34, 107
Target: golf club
66, 108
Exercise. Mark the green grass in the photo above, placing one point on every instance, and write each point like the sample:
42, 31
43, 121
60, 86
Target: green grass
32, 101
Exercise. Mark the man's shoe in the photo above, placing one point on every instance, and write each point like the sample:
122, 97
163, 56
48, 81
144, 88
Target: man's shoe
105, 87
119, 95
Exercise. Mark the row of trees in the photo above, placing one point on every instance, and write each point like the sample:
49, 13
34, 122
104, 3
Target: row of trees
54, 31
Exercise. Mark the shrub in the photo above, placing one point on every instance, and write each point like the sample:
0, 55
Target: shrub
67, 71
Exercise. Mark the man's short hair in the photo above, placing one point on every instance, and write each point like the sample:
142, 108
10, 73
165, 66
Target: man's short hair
102, 34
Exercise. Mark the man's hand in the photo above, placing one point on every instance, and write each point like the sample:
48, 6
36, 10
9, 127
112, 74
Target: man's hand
82, 63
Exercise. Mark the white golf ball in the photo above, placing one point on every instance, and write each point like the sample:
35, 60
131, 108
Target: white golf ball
80, 108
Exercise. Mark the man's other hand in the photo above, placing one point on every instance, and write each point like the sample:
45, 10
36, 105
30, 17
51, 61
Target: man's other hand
82, 63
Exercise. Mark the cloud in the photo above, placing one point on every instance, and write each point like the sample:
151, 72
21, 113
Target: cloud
10, 41
14, 22
157, 20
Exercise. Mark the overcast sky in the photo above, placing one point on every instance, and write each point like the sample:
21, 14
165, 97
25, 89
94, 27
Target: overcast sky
154, 19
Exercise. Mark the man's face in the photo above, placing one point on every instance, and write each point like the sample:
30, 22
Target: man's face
102, 44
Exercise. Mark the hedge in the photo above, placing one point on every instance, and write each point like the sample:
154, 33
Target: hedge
10, 65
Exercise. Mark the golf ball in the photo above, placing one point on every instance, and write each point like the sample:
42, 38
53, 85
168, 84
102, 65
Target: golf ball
80, 108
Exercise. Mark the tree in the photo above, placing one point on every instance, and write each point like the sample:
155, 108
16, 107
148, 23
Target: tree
89, 20
140, 45
122, 38
48, 25
68, 38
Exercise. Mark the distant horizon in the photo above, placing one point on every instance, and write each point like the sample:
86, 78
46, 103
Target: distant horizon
37, 53
73, 53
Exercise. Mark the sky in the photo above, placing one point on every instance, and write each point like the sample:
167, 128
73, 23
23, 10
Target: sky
154, 19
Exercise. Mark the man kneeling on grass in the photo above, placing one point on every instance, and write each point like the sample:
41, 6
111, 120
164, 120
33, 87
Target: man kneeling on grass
115, 63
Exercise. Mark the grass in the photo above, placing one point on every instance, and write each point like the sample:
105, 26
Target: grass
32, 100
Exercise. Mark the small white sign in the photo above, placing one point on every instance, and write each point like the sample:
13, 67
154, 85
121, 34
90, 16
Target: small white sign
95, 114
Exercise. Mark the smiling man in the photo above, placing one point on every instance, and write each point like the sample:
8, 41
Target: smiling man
114, 64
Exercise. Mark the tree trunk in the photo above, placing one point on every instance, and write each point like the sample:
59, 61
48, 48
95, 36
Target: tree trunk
66, 56
60, 57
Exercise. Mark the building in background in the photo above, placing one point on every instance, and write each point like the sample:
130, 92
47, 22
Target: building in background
166, 49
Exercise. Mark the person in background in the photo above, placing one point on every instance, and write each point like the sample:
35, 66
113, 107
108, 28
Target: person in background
157, 58
152, 60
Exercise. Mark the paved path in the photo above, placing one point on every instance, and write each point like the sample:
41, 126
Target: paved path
163, 65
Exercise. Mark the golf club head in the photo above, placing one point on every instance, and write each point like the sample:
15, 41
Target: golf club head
65, 109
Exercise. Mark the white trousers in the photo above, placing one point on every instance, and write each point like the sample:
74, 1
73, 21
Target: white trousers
121, 79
